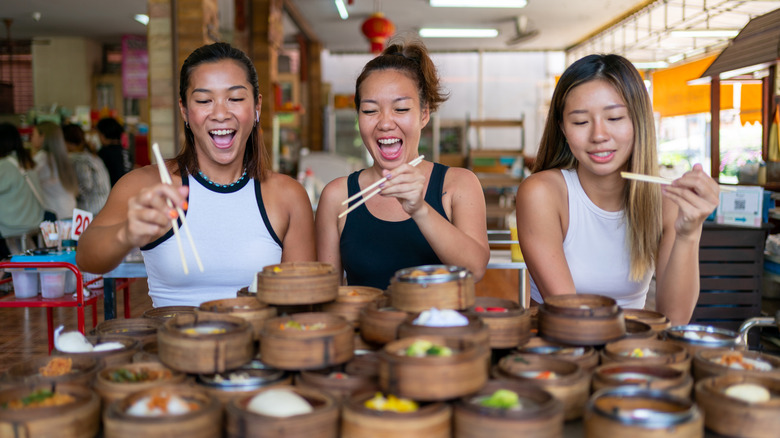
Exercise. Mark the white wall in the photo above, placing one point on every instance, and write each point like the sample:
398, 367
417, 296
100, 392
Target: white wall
62, 71
514, 84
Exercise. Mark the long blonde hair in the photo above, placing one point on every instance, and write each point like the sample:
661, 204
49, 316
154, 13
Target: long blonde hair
57, 155
641, 202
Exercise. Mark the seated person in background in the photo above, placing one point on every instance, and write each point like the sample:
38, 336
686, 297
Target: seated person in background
93, 179
585, 229
114, 156
58, 178
428, 214
241, 214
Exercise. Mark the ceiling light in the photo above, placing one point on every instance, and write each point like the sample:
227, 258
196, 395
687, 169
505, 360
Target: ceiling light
142, 18
675, 58
704, 33
342, 9
650, 65
458, 33
479, 3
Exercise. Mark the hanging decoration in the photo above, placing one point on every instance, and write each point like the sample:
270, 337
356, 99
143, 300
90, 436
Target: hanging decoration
378, 29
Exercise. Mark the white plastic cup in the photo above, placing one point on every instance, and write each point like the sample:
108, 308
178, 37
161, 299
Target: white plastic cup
25, 283
53, 284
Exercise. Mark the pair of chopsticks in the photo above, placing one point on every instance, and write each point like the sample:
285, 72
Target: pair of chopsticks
373, 186
166, 179
663, 181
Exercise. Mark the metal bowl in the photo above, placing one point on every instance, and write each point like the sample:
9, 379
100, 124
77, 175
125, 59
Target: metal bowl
454, 273
663, 409
724, 338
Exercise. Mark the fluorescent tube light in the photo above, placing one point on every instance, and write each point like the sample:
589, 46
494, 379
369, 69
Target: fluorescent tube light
650, 65
704, 33
142, 18
342, 9
458, 33
479, 3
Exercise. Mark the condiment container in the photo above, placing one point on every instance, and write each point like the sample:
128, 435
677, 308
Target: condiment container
695, 337
118, 356
661, 377
298, 283
379, 325
167, 312
142, 329
629, 412
742, 362
731, 416
432, 378
453, 288
241, 382
246, 308
109, 389
540, 414
430, 420
658, 321
647, 352
351, 300
509, 325
581, 319
77, 419
305, 341
205, 343
584, 356
476, 331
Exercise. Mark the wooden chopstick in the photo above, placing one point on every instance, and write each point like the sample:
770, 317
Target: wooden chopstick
664, 181
414, 162
166, 179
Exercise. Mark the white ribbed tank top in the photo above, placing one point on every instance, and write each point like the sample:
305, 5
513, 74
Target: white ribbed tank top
596, 251
234, 240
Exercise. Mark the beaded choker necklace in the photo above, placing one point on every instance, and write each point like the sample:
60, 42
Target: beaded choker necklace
218, 185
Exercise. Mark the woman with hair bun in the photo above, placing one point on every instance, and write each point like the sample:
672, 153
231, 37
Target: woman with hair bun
424, 214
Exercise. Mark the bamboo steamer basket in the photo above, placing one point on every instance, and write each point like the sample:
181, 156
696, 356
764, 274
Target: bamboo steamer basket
110, 390
630, 412
253, 377
339, 384
451, 290
661, 377
245, 292
379, 325
297, 283
109, 357
165, 313
541, 418
78, 419
704, 364
204, 422
83, 370
433, 378
669, 354
506, 329
321, 423
639, 330
362, 344
247, 308
147, 353
734, 417
290, 349
476, 331
351, 300
720, 338
142, 329
431, 420
571, 386
584, 356
581, 319
365, 363
658, 321
205, 352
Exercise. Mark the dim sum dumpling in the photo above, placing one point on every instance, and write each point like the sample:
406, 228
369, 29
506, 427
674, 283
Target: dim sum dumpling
279, 403
71, 342
108, 346
749, 392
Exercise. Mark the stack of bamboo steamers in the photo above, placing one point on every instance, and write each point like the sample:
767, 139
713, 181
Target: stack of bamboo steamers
621, 373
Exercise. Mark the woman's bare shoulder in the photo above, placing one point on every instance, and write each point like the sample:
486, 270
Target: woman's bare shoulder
544, 184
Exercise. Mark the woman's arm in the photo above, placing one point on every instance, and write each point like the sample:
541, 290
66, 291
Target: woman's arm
687, 203
327, 222
542, 218
295, 226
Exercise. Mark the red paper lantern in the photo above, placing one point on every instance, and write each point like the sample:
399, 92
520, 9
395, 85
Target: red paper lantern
377, 29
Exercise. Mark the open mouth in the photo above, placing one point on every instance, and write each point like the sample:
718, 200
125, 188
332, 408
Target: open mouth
390, 148
222, 137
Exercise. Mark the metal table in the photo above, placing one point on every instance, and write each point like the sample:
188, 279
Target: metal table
124, 270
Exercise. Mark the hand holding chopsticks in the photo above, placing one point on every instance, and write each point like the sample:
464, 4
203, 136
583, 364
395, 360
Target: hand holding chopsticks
166, 179
663, 181
373, 193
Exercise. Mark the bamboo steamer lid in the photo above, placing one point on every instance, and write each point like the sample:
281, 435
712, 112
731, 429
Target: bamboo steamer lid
110, 390
439, 286
581, 319
540, 415
706, 363
351, 300
708, 337
302, 349
433, 378
570, 385
244, 381
247, 308
205, 343
78, 419
636, 329
476, 331
735, 417
204, 422
83, 370
142, 329
165, 313
298, 283
322, 422
663, 353
109, 357
379, 325
505, 329
431, 420
661, 377
629, 412
584, 356
658, 321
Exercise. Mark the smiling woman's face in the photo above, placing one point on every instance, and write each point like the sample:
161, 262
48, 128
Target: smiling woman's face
390, 117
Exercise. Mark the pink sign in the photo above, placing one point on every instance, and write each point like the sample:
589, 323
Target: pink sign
135, 67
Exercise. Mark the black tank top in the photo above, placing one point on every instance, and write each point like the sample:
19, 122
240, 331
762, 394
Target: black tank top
373, 249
